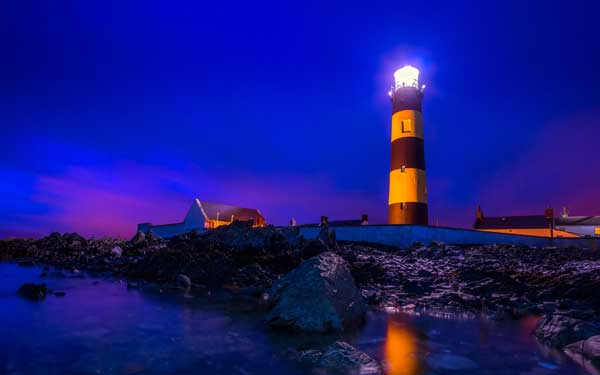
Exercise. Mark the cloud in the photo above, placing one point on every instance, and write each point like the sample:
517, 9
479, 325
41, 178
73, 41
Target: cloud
558, 170
111, 200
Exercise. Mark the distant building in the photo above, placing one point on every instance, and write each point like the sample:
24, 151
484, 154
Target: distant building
205, 215
540, 225
581, 225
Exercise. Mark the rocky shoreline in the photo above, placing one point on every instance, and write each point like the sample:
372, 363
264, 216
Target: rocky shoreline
323, 286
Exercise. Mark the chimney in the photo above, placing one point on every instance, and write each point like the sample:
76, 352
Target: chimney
479, 213
364, 219
324, 221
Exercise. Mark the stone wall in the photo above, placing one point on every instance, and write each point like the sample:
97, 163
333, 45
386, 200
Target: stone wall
406, 235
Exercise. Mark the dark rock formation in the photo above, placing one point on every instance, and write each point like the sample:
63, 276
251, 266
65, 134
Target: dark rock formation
589, 349
33, 291
339, 358
499, 281
328, 237
318, 296
183, 281
313, 248
560, 330
163, 265
144, 239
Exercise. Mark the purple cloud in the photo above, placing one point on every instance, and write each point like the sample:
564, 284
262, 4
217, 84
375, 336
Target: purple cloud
111, 200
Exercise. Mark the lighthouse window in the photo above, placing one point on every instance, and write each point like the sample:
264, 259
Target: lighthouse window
406, 126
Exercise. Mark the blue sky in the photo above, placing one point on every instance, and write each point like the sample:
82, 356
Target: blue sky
127, 110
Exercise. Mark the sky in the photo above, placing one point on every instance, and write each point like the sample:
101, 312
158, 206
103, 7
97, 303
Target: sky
119, 112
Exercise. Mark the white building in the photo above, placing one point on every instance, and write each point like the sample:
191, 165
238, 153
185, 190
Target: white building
205, 215
582, 225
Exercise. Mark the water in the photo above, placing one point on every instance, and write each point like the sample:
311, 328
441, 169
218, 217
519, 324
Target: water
101, 326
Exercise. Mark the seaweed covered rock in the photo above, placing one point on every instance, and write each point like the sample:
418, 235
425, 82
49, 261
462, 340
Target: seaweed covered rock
318, 296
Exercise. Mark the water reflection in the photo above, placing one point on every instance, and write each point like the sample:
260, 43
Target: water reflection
401, 350
101, 326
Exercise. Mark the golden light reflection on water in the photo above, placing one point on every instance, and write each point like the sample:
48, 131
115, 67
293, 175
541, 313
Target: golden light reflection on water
401, 350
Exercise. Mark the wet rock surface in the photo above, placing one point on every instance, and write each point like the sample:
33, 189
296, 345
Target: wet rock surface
318, 296
562, 286
589, 349
560, 330
339, 358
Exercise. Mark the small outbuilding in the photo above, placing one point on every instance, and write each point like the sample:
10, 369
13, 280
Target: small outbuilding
204, 215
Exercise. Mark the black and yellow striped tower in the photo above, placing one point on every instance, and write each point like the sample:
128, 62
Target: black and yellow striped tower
408, 191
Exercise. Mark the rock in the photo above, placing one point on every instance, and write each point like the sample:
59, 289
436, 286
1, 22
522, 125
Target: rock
241, 237
560, 330
343, 358
307, 357
339, 358
318, 296
161, 266
33, 291
60, 294
253, 279
366, 272
327, 236
74, 241
372, 297
117, 251
446, 362
589, 349
144, 239
183, 281
313, 248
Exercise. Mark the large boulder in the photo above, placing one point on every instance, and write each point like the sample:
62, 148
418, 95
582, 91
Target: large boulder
588, 349
318, 296
560, 330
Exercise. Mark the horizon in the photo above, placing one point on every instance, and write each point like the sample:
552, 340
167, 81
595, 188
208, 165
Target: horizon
109, 123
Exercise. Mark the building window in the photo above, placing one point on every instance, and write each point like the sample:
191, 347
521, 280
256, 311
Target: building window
597, 231
406, 126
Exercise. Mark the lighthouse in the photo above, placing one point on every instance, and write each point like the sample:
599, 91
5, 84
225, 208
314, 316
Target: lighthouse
407, 202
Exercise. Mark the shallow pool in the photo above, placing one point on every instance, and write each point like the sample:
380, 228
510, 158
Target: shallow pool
103, 326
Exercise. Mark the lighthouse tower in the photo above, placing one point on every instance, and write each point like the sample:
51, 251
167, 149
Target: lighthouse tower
408, 192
